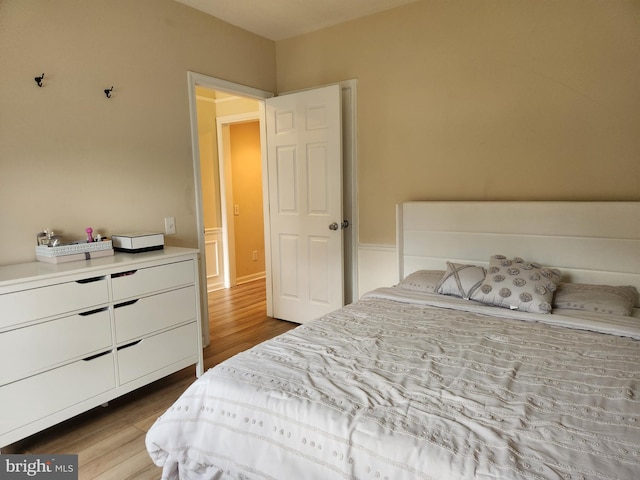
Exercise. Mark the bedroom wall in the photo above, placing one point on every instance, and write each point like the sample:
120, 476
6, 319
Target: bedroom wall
70, 157
481, 100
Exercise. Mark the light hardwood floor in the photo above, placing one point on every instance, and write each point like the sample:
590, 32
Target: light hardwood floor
109, 441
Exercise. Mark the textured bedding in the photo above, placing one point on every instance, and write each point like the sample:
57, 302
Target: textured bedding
403, 385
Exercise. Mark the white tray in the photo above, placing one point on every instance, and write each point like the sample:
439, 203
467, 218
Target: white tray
72, 248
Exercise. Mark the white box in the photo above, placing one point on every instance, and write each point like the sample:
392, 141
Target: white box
138, 242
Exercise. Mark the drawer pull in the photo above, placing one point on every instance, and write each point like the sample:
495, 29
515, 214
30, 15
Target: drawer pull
97, 355
125, 304
90, 280
132, 344
93, 312
123, 274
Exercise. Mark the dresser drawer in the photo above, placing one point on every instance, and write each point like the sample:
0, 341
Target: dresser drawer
27, 305
157, 352
135, 283
29, 350
36, 397
150, 314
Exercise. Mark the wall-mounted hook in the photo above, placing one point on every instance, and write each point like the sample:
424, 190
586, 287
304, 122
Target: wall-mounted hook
39, 80
108, 91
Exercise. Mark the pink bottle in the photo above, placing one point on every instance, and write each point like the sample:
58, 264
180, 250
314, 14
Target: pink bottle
89, 231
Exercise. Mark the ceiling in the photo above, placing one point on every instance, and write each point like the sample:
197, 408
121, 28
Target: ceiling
281, 19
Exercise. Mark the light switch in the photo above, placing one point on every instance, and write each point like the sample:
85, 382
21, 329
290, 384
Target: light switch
236, 210
170, 225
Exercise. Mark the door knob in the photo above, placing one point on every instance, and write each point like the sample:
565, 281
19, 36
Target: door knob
336, 225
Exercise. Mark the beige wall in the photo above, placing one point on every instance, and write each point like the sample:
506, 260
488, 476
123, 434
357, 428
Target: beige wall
485, 100
246, 161
237, 106
69, 157
209, 171
468, 99
210, 105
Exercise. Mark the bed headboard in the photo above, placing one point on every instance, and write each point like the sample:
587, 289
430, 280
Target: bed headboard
590, 242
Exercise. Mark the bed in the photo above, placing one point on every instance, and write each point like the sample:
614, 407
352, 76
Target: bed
453, 373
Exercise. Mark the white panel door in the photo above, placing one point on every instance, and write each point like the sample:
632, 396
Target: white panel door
304, 161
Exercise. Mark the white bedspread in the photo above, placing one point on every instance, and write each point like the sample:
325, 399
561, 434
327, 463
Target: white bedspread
392, 388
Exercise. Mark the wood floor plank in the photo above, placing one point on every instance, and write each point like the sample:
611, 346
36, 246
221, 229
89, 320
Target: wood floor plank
149, 472
109, 441
129, 467
104, 455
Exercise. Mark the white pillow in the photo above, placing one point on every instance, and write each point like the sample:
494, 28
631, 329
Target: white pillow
518, 285
422, 281
461, 280
616, 300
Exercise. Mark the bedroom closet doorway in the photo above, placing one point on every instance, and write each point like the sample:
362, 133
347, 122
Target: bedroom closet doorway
218, 258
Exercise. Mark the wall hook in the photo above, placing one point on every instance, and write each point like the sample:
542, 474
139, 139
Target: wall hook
39, 80
108, 91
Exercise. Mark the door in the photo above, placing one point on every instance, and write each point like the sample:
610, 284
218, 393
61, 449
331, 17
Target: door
304, 163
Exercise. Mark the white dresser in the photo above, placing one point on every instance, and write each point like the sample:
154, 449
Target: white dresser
76, 335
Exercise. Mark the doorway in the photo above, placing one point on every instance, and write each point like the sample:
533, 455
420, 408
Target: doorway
349, 154
229, 147
241, 198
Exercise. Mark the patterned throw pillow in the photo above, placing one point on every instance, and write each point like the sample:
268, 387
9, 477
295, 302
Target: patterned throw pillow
461, 280
596, 298
422, 281
518, 285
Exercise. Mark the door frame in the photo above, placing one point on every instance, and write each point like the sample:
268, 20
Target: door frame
350, 192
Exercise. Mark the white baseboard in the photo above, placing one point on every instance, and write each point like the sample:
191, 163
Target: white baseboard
250, 278
212, 287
